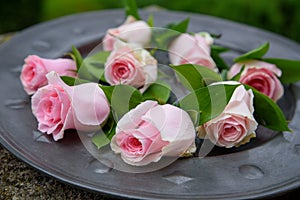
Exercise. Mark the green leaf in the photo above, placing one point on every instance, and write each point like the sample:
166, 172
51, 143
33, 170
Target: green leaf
122, 98
209, 102
221, 64
104, 136
99, 57
215, 54
267, 112
216, 36
82, 71
109, 128
100, 140
180, 26
194, 115
218, 49
238, 75
76, 57
194, 77
150, 21
108, 90
158, 91
68, 80
224, 74
96, 71
290, 69
131, 9
71, 81
94, 65
162, 37
254, 54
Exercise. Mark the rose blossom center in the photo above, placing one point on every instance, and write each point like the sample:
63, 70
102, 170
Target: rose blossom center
51, 109
135, 144
29, 73
260, 79
47, 107
132, 145
121, 70
257, 84
231, 132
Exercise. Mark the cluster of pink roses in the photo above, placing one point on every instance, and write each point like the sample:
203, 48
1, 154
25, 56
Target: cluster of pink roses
56, 105
149, 131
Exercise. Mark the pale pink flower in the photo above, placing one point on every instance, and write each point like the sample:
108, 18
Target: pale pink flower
261, 75
59, 107
235, 125
191, 49
33, 75
150, 131
131, 31
130, 65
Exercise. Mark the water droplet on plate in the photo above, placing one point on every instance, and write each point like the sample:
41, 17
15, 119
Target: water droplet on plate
90, 135
41, 46
36, 134
118, 21
288, 136
99, 168
15, 103
251, 172
17, 69
292, 137
178, 178
40, 137
44, 139
78, 31
297, 149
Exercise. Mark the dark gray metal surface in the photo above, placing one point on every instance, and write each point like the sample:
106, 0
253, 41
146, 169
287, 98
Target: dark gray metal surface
262, 170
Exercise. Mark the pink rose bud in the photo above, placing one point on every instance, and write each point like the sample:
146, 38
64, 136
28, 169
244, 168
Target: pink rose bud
235, 125
59, 107
130, 65
191, 49
150, 131
260, 75
33, 75
132, 31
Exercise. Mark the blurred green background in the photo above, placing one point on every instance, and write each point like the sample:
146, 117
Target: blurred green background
280, 16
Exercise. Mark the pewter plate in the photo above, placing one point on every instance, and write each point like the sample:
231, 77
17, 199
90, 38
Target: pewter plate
266, 167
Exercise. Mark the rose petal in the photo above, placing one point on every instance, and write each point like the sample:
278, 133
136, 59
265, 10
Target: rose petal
132, 119
89, 103
172, 122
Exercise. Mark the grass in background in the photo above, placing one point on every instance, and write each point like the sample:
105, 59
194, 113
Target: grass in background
280, 16
55, 8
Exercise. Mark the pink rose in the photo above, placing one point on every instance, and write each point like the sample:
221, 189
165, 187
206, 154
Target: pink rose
59, 107
235, 125
132, 31
150, 131
130, 65
193, 49
33, 75
260, 75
